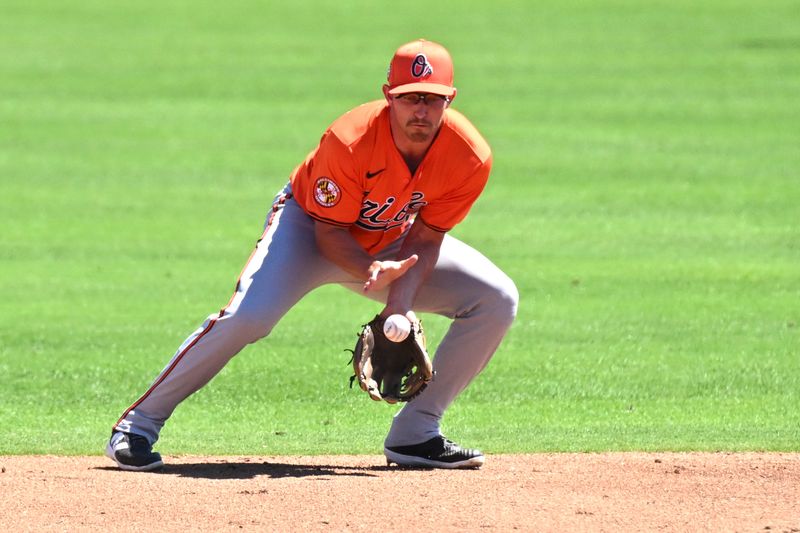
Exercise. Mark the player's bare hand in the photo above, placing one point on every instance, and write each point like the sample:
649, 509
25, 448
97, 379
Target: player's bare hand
381, 274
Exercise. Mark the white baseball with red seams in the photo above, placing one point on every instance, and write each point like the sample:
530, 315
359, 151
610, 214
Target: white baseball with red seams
396, 328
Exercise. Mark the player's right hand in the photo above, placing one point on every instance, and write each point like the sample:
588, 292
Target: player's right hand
381, 274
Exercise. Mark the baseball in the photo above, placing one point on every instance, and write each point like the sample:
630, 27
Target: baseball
396, 328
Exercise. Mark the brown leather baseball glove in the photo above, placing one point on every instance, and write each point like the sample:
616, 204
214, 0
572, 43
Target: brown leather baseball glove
391, 371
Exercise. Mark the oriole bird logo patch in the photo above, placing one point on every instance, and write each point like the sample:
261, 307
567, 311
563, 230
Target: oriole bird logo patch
326, 192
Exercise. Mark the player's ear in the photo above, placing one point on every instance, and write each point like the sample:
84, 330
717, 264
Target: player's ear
386, 93
453, 97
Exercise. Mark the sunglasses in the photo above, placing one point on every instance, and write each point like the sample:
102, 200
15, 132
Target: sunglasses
433, 100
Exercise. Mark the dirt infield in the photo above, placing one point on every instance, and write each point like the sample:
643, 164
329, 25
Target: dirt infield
541, 492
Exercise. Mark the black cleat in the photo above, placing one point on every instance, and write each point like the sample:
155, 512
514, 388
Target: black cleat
435, 453
133, 452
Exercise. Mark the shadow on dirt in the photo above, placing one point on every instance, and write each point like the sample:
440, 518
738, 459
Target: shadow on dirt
243, 470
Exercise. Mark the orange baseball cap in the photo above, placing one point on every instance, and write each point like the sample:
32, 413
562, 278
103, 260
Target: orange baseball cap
421, 66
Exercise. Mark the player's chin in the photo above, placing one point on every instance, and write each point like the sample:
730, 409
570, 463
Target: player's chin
419, 135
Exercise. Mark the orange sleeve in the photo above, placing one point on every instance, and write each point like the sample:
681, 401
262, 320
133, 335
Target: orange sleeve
332, 192
452, 208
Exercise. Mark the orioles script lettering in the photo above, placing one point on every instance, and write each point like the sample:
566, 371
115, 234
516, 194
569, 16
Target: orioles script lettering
372, 213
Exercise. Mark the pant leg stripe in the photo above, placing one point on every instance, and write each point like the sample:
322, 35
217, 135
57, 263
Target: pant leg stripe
275, 209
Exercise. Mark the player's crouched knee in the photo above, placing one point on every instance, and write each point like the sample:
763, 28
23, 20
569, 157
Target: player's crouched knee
504, 302
511, 297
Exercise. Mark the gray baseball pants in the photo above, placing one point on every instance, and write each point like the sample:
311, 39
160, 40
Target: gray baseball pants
286, 264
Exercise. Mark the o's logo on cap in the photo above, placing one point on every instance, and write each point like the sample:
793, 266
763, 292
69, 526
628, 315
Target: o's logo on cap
420, 67
326, 192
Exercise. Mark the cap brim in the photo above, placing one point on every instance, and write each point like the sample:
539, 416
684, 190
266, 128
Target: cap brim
433, 88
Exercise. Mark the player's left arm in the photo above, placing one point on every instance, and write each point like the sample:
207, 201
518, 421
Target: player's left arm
423, 242
424, 239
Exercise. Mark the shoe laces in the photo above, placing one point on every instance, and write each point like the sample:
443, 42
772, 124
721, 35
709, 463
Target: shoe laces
449, 446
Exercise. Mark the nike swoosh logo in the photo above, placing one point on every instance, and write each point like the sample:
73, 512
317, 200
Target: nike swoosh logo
371, 175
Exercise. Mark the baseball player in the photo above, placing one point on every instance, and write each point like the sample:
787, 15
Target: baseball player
370, 209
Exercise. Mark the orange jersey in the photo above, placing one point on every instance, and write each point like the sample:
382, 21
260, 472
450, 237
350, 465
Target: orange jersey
356, 177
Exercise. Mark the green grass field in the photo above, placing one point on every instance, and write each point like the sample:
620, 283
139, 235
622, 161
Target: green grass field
645, 197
